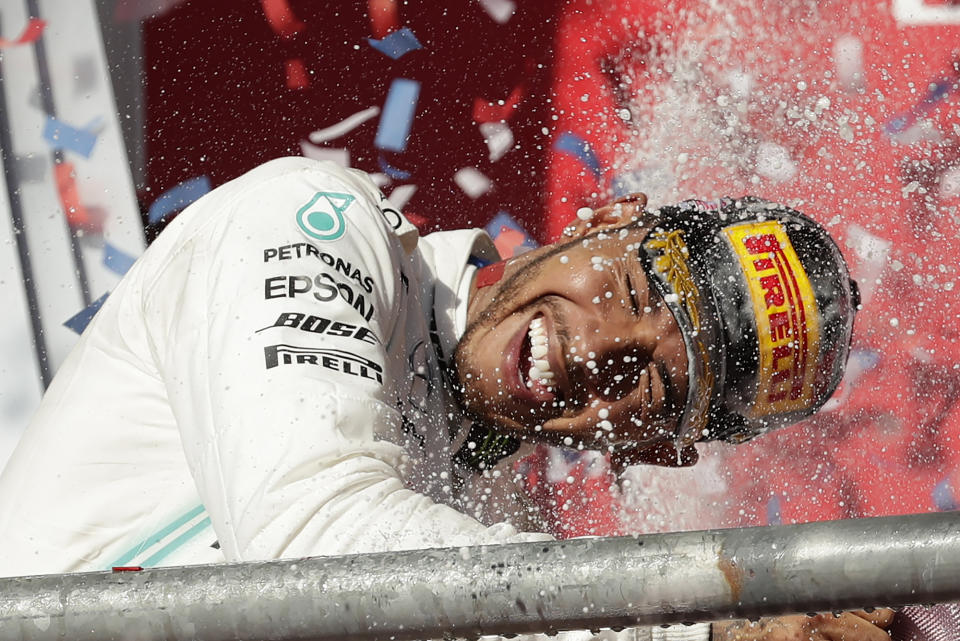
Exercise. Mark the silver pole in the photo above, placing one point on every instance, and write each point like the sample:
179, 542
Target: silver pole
504, 589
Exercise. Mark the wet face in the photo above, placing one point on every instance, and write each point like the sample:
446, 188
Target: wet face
574, 346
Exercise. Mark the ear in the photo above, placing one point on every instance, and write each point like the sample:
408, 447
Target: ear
615, 214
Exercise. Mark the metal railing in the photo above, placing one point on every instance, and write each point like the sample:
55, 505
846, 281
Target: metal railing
505, 589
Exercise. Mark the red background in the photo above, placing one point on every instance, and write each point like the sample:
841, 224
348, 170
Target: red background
218, 104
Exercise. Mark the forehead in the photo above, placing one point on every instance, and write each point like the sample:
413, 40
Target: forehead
624, 243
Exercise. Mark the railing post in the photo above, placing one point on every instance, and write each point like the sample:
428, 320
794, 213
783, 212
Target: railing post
517, 588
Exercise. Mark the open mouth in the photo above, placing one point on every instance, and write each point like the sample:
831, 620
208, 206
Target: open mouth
533, 364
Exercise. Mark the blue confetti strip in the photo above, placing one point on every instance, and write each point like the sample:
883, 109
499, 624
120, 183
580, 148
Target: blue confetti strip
504, 220
117, 260
396, 119
397, 43
943, 497
61, 135
571, 143
178, 197
394, 172
937, 92
78, 322
774, 515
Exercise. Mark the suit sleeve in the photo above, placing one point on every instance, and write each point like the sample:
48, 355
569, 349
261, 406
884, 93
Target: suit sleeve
269, 324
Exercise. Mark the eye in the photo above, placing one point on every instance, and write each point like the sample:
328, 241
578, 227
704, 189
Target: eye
632, 295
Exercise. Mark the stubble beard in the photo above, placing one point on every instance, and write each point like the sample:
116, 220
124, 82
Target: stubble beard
495, 312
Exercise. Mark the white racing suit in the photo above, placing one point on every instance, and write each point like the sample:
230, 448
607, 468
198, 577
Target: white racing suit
262, 384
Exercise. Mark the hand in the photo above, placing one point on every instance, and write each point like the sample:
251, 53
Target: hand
849, 626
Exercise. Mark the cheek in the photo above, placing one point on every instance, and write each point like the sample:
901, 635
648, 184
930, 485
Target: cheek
574, 282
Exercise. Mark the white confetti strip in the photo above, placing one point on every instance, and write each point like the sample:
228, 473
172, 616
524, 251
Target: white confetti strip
498, 137
500, 10
344, 126
472, 182
401, 195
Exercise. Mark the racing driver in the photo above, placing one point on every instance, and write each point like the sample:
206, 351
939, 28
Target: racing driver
290, 371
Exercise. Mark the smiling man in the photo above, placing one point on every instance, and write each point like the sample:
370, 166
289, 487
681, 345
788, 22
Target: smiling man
649, 331
289, 371
576, 341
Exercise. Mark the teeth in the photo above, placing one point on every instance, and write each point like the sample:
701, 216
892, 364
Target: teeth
539, 366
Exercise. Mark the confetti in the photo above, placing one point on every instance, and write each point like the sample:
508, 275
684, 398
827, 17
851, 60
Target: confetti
510, 238
943, 497
61, 135
472, 182
848, 60
489, 275
873, 253
396, 44
30, 33
500, 10
383, 17
574, 145
296, 73
774, 513
338, 155
346, 125
177, 198
397, 117
80, 320
281, 18
127, 568
499, 138
502, 110
380, 179
508, 242
390, 170
401, 195
117, 260
77, 215
937, 92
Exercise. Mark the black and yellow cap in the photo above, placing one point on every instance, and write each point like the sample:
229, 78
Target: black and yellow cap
765, 303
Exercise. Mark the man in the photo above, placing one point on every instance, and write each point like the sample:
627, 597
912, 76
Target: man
288, 372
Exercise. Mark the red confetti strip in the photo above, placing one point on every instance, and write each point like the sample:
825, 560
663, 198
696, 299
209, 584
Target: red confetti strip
485, 111
489, 275
127, 568
384, 17
77, 215
420, 222
281, 18
31, 33
297, 74
507, 241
